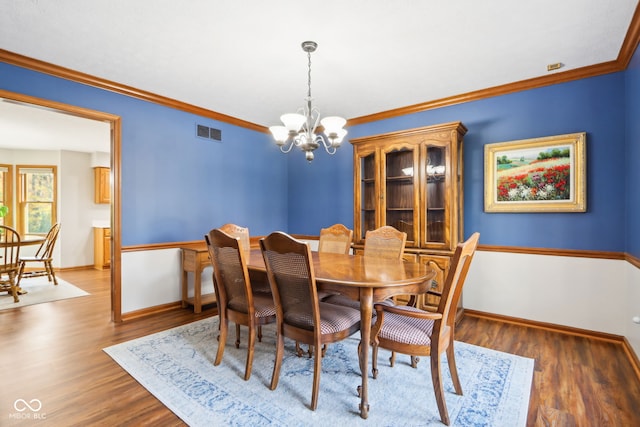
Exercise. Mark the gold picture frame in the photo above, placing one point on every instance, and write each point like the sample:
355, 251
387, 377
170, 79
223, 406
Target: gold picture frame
536, 175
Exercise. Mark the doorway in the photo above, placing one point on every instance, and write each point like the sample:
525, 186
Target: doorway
115, 155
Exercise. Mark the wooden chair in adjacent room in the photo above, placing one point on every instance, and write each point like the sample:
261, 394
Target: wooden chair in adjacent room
300, 315
335, 239
44, 256
236, 300
409, 330
9, 261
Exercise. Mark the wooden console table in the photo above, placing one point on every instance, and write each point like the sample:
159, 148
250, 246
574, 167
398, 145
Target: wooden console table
194, 259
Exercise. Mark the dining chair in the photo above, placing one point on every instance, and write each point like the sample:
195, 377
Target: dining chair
43, 255
9, 261
259, 282
383, 242
236, 300
409, 330
299, 314
335, 239
241, 233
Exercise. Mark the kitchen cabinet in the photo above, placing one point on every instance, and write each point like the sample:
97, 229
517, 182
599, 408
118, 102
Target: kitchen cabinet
101, 248
102, 180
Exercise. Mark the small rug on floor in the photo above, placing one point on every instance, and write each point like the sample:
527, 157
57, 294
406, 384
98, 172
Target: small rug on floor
40, 290
176, 366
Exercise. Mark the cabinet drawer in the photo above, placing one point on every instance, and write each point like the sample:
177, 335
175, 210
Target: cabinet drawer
410, 257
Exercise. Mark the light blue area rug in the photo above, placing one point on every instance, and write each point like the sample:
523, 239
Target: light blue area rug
176, 366
40, 290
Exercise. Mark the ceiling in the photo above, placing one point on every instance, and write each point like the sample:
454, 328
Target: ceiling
243, 59
32, 128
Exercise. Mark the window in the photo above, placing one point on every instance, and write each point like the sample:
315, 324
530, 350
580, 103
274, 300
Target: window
37, 190
5, 193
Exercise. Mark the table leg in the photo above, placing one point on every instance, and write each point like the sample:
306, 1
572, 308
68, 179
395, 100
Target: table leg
366, 309
185, 287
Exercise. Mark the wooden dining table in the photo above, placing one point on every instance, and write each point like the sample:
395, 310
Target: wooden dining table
27, 241
364, 279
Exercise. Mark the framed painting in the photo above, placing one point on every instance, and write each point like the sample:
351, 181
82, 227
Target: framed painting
536, 175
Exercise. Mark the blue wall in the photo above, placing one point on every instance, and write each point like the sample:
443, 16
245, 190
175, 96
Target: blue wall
176, 186
320, 192
632, 91
595, 105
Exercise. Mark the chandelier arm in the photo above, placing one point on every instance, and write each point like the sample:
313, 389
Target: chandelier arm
289, 144
314, 115
328, 146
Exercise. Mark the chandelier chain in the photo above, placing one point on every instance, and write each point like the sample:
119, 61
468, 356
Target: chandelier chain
309, 76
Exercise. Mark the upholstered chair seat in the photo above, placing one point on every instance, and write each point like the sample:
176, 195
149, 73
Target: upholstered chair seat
407, 330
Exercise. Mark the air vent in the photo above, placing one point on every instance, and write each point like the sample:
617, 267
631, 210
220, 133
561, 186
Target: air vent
209, 133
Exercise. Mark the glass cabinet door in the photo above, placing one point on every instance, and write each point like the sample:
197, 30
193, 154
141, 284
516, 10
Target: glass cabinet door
368, 200
401, 191
436, 200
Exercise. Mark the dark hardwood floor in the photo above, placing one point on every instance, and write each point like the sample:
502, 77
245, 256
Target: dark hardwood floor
53, 352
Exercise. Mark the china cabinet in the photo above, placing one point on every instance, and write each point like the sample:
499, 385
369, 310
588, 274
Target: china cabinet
413, 181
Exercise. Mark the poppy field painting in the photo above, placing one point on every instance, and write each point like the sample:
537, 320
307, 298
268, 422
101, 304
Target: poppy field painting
536, 175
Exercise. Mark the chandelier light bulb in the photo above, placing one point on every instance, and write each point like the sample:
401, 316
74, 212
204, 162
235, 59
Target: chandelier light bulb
332, 125
293, 121
337, 140
280, 134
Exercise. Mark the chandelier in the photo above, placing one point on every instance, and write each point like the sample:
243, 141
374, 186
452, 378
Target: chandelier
299, 128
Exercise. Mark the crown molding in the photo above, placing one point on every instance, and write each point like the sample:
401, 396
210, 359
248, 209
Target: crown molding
533, 83
631, 40
627, 50
87, 79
